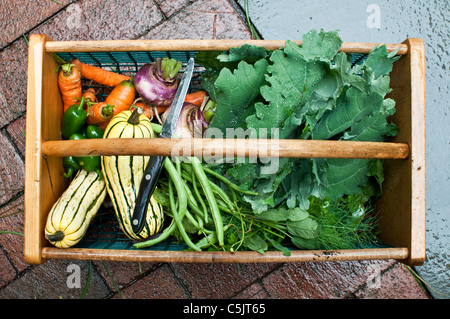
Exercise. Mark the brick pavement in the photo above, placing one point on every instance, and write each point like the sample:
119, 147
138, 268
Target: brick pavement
139, 19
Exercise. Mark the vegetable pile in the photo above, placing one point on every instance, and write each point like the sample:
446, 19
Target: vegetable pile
312, 91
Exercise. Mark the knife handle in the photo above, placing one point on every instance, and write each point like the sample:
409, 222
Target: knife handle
148, 185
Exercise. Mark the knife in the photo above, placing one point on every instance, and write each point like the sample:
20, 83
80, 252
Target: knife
154, 166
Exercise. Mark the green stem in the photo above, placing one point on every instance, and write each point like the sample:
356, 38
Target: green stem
57, 236
67, 69
107, 110
134, 117
10, 232
250, 25
170, 68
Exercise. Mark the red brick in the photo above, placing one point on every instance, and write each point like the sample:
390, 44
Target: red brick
17, 130
170, 7
254, 291
12, 219
17, 17
7, 271
13, 81
123, 273
203, 19
158, 284
50, 281
103, 20
395, 283
325, 280
219, 280
12, 171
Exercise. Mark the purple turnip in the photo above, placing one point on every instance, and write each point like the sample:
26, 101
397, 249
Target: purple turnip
157, 82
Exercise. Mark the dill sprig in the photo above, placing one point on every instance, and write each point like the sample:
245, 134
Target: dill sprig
350, 222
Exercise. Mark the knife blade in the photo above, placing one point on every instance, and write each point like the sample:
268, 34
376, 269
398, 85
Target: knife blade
154, 166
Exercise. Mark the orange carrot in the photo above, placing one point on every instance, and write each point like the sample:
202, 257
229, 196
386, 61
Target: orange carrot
149, 110
69, 82
103, 125
99, 75
99, 113
89, 95
122, 96
195, 98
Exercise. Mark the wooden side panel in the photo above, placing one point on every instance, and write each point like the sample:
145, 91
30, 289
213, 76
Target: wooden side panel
402, 207
43, 180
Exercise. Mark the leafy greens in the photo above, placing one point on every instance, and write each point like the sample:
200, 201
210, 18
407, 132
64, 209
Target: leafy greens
312, 91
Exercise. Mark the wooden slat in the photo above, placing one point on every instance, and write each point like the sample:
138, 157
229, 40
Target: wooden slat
402, 207
222, 256
221, 148
32, 229
194, 45
43, 180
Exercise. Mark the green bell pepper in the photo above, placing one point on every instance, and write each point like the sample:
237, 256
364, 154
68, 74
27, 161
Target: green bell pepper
73, 119
88, 163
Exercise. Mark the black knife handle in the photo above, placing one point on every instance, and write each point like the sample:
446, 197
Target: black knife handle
148, 184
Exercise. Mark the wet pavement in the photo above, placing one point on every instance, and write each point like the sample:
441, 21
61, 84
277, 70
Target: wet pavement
139, 19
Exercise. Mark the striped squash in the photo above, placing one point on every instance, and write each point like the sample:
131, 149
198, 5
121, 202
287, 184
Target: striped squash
123, 175
70, 216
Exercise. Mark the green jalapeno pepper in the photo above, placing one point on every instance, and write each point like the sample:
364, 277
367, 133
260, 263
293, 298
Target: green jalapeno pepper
94, 131
74, 119
88, 163
77, 136
71, 166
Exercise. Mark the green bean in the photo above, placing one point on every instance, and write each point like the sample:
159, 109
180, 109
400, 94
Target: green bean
192, 203
223, 207
216, 189
206, 186
156, 127
175, 179
163, 236
229, 183
190, 176
220, 192
209, 240
199, 197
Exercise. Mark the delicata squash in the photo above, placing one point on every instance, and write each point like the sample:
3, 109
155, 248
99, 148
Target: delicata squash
70, 216
123, 175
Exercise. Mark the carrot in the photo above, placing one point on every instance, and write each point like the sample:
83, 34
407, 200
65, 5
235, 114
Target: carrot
149, 111
195, 98
99, 75
122, 96
103, 125
69, 82
89, 95
99, 113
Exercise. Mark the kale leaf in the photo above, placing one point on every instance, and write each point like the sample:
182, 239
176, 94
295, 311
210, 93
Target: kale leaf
311, 91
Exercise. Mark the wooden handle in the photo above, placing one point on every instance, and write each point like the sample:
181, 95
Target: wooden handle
237, 148
195, 45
